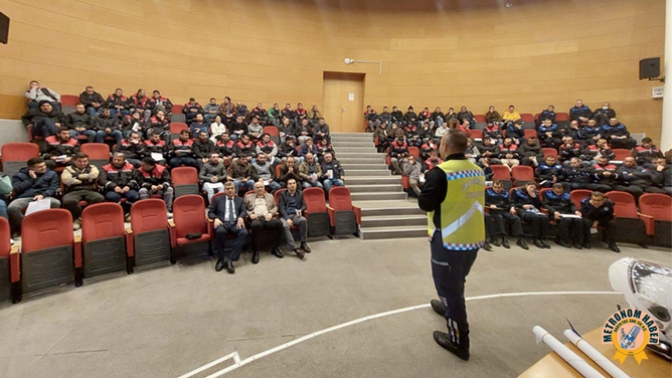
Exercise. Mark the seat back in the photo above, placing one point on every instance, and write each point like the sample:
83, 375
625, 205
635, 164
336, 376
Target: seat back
578, 195
479, 118
185, 180
99, 153
276, 195
149, 223
15, 156
550, 151
271, 130
475, 134
621, 153
103, 239
624, 204
658, 206
314, 199
69, 100
339, 198
415, 151
5, 249
522, 174
148, 215
177, 127
344, 215
500, 172
529, 133
527, 117
177, 108
189, 215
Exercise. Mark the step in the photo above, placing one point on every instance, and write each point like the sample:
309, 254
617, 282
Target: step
364, 150
358, 155
377, 196
375, 188
335, 139
393, 221
376, 180
394, 211
355, 135
341, 144
348, 160
379, 165
371, 233
367, 172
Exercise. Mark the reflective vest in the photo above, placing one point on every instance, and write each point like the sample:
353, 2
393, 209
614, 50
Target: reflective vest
462, 224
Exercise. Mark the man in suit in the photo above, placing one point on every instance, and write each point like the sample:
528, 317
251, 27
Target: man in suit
292, 207
228, 213
261, 208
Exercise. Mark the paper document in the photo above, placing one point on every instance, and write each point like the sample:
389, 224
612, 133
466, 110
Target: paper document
570, 216
36, 206
313, 177
421, 179
330, 173
267, 182
617, 162
157, 156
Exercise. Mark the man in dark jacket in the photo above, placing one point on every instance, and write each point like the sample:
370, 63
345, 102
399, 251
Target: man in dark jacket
203, 147
635, 179
598, 211
549, 172
292, 207
605, 175
647, 153
161, 103
214, 175
60, 149
118, 180
182, 151
580, 112
45, 121
92, 100
575, 176
79, 183
562, 210
155, 179
604, 114
332, 172
117, 103
32, 183
81, 123
663, 175
398, 151
228, 213
191, 109
106, 125
132, 149
501, 212
530, 152
617, 135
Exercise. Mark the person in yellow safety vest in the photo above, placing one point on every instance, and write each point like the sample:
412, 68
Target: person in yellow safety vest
453, 197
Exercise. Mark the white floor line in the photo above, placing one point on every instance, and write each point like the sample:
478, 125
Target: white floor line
239, 363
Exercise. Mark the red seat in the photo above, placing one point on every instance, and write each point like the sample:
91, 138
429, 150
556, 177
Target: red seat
103, 239
561, 117
185, 181
529, 133
475, 134
522, 174
578, 195
177, 127
271, 130
15, 156
176, 109
316, 212
99, 153
150, 238
50, 255
621, 153
479, 118
527, 117
189, 218
629, 227
343, 216
549, 151
9, 262
503, 174
276, 195
415, 151
656, 211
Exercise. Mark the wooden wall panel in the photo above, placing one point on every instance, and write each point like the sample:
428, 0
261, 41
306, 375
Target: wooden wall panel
444, 52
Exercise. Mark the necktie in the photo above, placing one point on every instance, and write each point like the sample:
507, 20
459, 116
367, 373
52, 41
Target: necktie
231, 214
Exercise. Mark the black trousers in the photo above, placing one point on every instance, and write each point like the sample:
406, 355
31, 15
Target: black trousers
539, 223
489, 226
570, 230
607, 229
71, 201
502, 217
449, 270
260, 224
234, 245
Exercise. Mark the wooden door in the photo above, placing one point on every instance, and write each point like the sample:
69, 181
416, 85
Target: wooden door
343, 100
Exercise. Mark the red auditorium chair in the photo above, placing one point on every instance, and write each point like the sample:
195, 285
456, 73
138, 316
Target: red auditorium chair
190, 221
176, 113
478, 118
529, 133
103, 239
50, 256
621, 154
415, 151
522, 174
274, 133
316, 213
476, 134
185, 181
99, 153
562, 117
69, 100
527, 117
343, 216
550, 151
176, 128
503, 174
578, 195
9, 262
629, 226
149, 239
656, 211
15, 156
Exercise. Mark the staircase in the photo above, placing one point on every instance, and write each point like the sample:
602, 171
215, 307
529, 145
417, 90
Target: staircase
387, 213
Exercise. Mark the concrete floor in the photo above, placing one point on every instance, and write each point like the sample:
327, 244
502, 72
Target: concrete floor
169, 320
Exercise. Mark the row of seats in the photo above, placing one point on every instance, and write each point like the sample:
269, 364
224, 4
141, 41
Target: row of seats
560, 118
51, 256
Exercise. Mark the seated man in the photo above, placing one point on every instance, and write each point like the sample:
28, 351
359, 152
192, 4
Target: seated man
570, 149
45, 120
489, 151
199, 125
161, 103
131, 148
528, 206
530, 152
549, 134
81, 123
119, 179
549, 172
265, 146
598, 211
589, 134
635, 179
213, 174
79, 182
155, 147
255, 129
600, 148
580, 112
36, 94
60, 149
182, 152
106, 125
155, 179
647, 153
570, 229
306, 147
191, 109
292, 207
332, 173
576, 176
310, 172
413, 169
261, 208
288, 148
158, 123
228, 213
605, 176
289, 170
433, 160
508, 153
398, 152
133, 123
92, 100
321, 131
211, 110
604, 114
501, 212
118, 104
304, 131
245, 149
663, 175
242, 173
203, 148
141, 102
617, 135
266, 172
32, 183
261, 113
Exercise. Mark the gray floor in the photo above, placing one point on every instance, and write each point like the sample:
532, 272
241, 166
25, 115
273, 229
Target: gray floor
167, 321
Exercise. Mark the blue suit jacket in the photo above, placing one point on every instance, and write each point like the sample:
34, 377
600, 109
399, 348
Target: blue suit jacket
218, 208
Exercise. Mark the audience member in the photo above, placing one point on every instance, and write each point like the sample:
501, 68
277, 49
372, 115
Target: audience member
314, 115
441, 131
45, 120
433, 160
226, 146
245, 149
548, 113
310, 172
36, 94
563, 211
275, 115
265, 146
191, 109
305, 132
292, 207
211, 111
636, 180
426, 148
549, 172
106, 125
60, 149
321, 131
489, 151
242, 173
228, 214
266, 172
92, 100
589, 133
161, 103
601, 148
492, 133
238, 127
131, 148
159, 123
598, 211
647, 153
371, 117
307, 147
141, 102
182, 152
604, 114
300, 113
287, 149
472, 153
569, 149
410, 118
228, 111
492, 116
289, 170
119, 179
437, 116
203, 148
451, 119
255, 129
261, 208
261, 114
605, 176
530, 152
467, 116
413, 169
134, 123
288, 113
198, 124
213, 174
528, 207
398, 152
217, 128
502, 212
382, 136
79, 183
511, 115
580, 112
617, 135
508, 153
81, 123
117, 103
155, 148
549, 134
155, 179
576, 176
663, 174
332, 173
397, 115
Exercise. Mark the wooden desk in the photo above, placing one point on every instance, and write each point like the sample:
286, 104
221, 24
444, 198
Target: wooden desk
552, 366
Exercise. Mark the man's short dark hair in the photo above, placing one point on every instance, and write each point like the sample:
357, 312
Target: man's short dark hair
456, 140
497, 183
81, 155
34, 161
647, 140
558, 185
291, 179
149, 160
61, 129
184, 131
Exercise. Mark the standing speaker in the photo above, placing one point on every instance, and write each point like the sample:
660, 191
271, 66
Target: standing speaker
4, 28
649, 68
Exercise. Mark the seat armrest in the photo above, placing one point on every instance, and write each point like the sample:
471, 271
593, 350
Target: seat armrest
358, 214
173, 234
332, 216
645, 216
130, 243
15, 264
211, 226
78, 252
649, 222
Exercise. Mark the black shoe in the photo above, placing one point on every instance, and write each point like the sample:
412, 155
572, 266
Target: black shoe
300, 254
522, 243
495, 242
305, 247
219, 265
614, 247
539, 244
255, 257
230, 268
587, 245
578, 246
276, 252
543, 242
437, 306
563, 243
505, 242
443, 340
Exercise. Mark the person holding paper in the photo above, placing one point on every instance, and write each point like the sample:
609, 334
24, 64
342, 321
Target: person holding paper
501, 211
266, 172
79, 182
155, 179
213, 174
566, 215
332, 172
310, 172
60, 149
182, 151
32, 183
261, 208
155, 147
